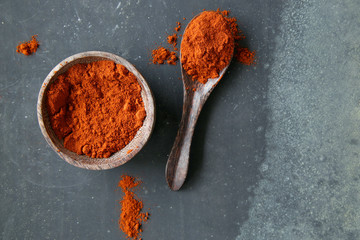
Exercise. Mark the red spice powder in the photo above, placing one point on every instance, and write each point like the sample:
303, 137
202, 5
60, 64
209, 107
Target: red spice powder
162, 55
245, 56
28, 48
131, 217
177, 28
96, 108
232, 22
207, 46
242, 54
172, 40
209, 42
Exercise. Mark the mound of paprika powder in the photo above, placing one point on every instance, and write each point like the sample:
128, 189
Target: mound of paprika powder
207, 46
96, 108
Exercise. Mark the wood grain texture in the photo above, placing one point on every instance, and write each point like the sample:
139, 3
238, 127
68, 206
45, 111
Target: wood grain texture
83, 161
195, 95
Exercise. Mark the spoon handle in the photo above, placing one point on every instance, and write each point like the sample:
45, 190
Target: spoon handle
178, 161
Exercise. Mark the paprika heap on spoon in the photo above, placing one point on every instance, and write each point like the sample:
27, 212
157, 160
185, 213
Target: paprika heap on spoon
207, 46
242, 54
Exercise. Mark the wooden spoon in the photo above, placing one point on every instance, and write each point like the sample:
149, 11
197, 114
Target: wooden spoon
195, 95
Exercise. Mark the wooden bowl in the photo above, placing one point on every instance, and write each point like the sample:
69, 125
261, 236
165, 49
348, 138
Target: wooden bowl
83, 161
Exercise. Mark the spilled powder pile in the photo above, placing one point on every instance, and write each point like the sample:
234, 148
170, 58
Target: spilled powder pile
162, 55
131, 217
245, 56
28, 48
96, 108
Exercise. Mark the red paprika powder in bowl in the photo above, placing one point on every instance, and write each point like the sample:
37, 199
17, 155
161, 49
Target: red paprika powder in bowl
96, 110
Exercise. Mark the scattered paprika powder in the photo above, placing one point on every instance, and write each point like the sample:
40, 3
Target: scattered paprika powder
162, 55
178, 26
172, 40
245, 56
96, 108
131, 217
29, 47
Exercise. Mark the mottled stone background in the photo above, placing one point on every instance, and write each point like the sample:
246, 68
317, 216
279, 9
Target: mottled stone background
275, 153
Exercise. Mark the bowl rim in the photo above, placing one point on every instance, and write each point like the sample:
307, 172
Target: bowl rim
118, 158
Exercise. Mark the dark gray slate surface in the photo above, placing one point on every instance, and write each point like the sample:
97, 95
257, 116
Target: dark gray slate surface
275, 153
